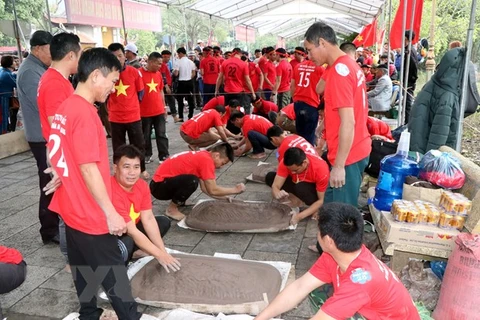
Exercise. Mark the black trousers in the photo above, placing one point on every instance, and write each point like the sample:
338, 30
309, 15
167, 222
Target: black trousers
48, 219
170, 101
96, 260
305, 191
237, 96
185, 90
409, 103
11, 277
178, 189
130, 246
135, 137
160, 126
208, 92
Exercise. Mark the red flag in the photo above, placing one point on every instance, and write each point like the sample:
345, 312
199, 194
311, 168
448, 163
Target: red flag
396, 34
367, 37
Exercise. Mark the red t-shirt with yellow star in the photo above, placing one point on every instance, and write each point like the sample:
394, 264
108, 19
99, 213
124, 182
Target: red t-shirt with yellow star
123, 105
152, 103
129, 204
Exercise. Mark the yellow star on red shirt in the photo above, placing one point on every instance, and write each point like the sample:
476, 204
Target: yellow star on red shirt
121, 88
134, 215
152, 86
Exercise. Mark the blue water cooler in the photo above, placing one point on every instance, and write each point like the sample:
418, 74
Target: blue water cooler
393, 171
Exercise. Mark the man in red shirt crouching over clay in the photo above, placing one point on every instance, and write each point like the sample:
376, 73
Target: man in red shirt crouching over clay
362, 283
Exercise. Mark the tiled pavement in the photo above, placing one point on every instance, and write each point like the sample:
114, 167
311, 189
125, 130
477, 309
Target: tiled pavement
48, 291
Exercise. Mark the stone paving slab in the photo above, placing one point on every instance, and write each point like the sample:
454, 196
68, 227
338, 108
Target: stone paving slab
48, 292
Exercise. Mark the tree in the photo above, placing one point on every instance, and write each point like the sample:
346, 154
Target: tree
145, 41
27, 10
187, 23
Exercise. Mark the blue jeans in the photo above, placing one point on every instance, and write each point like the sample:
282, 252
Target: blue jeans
259, 142
307, 120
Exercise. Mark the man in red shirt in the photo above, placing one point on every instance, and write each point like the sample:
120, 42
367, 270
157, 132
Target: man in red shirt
346, 110
369, 76
79, 155
283, 141
198, 131
124, 106
131, 198
305, 98
285, 118
152, 108
281, 90
263, 107
217, 54
233, 73
362, 284
179, 176
305, 175
167, 82
379, 129
269, 72
256, 77
53, 89
13, 271
254, 129
299, 56
209, 69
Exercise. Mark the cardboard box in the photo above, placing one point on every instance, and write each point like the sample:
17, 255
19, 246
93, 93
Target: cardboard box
412, 193
402, 233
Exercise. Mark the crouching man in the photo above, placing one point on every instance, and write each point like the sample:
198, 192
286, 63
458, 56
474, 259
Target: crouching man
178, 177
131, 199
362, 283
304, 175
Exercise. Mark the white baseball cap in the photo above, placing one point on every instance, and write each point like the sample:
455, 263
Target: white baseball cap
359, 49
131, 47
199, 41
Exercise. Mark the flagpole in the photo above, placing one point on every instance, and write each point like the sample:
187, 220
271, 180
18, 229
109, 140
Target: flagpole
402, 66
468, 54
388, 32
410, 38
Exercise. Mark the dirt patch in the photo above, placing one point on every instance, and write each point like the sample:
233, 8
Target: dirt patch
471, 138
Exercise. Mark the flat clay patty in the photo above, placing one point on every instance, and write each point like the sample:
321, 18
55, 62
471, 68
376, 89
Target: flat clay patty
207, 280
260, 172
238, 216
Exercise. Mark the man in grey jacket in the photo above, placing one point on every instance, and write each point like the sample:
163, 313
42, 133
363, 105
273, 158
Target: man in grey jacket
28, 77
379, 97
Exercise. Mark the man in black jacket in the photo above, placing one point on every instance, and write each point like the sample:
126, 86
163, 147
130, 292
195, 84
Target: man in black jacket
410, 82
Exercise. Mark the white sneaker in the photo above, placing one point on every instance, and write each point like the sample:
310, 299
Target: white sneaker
72, 316
148, 159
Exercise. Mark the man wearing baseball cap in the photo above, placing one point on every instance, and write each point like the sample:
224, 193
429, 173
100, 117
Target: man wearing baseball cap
28, 77
131, 55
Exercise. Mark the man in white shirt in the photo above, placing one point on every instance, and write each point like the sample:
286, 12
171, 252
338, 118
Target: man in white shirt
184, 69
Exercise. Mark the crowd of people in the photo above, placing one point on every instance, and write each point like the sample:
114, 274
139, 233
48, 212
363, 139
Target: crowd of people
102, 221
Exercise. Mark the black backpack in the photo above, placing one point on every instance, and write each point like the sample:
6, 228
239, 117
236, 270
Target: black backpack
380, 149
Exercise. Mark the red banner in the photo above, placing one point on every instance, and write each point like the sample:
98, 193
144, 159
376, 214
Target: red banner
366, 38
396, 34
108, 13
244, 34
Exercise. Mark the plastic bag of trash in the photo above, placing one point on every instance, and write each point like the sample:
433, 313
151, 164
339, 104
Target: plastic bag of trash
422, 284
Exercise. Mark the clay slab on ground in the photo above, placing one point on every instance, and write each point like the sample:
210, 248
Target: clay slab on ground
260, 172
207, 280
218, 216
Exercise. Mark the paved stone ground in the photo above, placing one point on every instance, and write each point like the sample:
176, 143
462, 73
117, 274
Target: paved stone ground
48, 291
